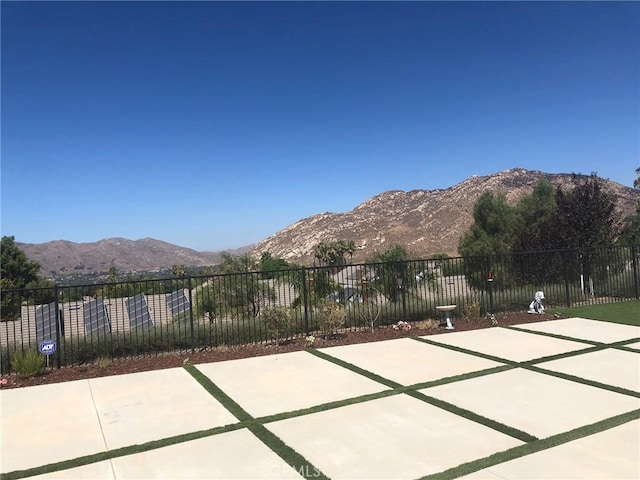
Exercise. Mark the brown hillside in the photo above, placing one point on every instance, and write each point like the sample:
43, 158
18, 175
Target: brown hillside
426, 221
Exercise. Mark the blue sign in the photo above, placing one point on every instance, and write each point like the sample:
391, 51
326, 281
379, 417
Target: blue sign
47, 347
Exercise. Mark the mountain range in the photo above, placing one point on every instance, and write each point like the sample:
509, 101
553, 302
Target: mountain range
426, 222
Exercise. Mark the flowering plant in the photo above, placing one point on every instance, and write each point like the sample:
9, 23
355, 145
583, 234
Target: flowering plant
3, 381
402, 326
310, 340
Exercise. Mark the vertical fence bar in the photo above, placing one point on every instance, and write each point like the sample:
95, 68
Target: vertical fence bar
634, 266
58, 320
191, 332
305, 300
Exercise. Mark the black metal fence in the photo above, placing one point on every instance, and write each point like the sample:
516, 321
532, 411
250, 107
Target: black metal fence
152, 317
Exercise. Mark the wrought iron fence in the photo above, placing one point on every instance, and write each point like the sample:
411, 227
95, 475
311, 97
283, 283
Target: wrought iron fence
152, 317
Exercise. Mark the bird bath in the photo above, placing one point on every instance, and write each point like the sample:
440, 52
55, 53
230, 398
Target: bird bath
447, 309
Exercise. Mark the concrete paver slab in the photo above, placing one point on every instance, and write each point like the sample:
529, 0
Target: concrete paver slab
509, 344
606, 455
388, 438
141, 407
92, 471
48, 423
635, 345
232, 455
281, 383
539, 404
612, 367
408, 361
582, 328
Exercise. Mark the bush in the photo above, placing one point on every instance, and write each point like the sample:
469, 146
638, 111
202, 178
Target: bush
332, 315
29, 364
277, 321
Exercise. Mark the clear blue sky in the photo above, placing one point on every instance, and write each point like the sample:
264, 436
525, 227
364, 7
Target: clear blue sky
214, 125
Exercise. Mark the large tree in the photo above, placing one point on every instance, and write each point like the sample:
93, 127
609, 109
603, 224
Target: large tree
631, 232
333, 253
17, 272
493, 229
535, 212
586, 217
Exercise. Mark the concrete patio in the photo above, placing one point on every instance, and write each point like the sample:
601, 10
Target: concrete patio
554, 399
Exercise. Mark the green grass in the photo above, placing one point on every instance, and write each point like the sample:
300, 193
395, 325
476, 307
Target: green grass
627, 312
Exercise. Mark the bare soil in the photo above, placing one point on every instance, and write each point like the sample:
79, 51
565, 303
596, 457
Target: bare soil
218, 354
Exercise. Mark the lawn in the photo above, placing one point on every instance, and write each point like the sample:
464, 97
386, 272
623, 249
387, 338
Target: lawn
623, 312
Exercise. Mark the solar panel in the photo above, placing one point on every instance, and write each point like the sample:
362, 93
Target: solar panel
96, 319
178, 302
138, 309
46, 320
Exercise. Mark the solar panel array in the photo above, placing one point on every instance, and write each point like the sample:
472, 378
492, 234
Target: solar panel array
178, 302
138, 309
46, 320
96, 319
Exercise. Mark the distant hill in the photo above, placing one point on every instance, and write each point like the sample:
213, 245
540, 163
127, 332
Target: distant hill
425, 221
61, 257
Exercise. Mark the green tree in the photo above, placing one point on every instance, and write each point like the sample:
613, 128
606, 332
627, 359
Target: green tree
17, 272
333, 253
492, 233
631, 231
535, 214
493, 229
269, 264
179, 270
585, 216
393, 266
238, 293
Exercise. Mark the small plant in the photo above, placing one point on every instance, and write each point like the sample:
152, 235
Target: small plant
427, 324
492, 317
103, 362
309, 341
472, 310
370, 312
332, 316
277, 321
401, 326
29, 364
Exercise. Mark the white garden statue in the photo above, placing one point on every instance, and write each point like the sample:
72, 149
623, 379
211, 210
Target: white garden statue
536, 305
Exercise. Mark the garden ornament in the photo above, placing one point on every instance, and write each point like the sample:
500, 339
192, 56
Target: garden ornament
536, 305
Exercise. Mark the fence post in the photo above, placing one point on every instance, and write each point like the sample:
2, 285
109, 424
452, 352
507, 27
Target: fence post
58, 320
305, 301
193, 340
567, 292
634, 264
490, 282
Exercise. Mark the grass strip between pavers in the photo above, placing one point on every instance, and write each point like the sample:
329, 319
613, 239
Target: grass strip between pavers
584, 381
412, 391
519, 328
534, 447
300, 464
118, 452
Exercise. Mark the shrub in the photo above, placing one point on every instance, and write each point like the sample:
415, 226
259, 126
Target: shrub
332, 315
277, 321
29, 364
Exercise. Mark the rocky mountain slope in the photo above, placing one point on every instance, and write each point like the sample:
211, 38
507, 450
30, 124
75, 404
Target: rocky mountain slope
425, 221
63, 257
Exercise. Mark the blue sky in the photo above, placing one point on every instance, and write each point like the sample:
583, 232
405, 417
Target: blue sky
213, 125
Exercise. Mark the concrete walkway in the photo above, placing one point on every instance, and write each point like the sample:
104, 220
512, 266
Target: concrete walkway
545, 400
